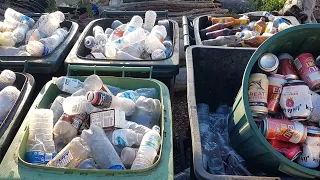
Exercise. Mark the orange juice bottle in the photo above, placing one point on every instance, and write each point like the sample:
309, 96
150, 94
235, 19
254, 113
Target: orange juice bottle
255, 41
215, 20
260, 26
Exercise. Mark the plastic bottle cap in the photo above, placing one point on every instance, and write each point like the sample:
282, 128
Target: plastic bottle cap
156, 128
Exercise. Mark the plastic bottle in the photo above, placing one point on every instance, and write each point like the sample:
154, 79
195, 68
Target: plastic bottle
128, 155
88, 164
255, 41
115, 24
160, 32
20, 32
8, 97
216, 27
58, 15
117, 33
103, 99
135, 23
214, 160
76, 105
57, 108
68, 85
132, 38
34, 35
246, 34
150, 20
282, 26
158, 54
41, 147
134, 50
260, 26
102, 150
71, 155
97, 30
221, 40
215, 20
222, 32
152, 43
19, 17
137, 128
7, 39
148, 149
126, 137
108, 31
53, 41
203, 116
269, 16
166, 24
100, 39
89, 42
92, 83
7, 78
47, 24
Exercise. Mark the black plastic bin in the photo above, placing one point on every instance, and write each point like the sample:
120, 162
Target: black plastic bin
8, 129
191, 29
214, 77
164, 70
44, 64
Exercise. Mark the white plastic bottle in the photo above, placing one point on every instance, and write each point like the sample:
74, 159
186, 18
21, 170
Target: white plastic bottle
7, 39
102, 150
89, 42
126, 137
7, 78
148, 149
128, 155
57, 108
48, 24
160, 32
68, 85
132, 38
76, 105
158, 54
8, 97
97, 30
135, 23
117, 33
20, 32
71, 155
150, 20
152, 43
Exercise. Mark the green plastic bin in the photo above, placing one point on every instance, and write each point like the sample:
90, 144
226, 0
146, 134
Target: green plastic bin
244, 133
14, 165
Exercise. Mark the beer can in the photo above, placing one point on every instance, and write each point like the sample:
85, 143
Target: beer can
290, 150
268, 63
276, 81
295, 100
283, 130
308, 71
310, 156
287, 67
99, 99
258, 93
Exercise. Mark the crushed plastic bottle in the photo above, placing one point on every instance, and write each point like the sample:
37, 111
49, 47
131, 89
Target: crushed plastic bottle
76, 105
57, 108
8, 97
7, 78
20, 32
126, 137
67, 85
150, 19
214, 161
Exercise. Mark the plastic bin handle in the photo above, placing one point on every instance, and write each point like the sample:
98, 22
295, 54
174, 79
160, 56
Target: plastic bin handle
122, 69
186, 29
106, 13
7, 64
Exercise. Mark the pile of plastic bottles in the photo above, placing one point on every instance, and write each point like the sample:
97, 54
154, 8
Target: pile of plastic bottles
22, 36
97, 127
228, 31
132, 41
8, 93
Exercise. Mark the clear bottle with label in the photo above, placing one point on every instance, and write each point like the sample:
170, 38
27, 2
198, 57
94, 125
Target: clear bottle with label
102, 150
126, 137
132, 38
117, 33
20, 32
57, 108
135, 23
128, 155
71, 155
148, 149
68, 85
76, 105
7, 78
8, 97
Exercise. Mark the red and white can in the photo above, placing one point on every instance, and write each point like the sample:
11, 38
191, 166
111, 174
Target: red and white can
276, 81
283, 130
290, 150
287, 67
308, 71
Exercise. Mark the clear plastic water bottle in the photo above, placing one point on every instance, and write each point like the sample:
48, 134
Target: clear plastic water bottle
160, 32
103, 99
102, 150
134, 50
214, 160
115, 24
68, 85
53, 41
7, 39
76, 105
88, 164
133, 95
132, 38
148, 92
20, 32
92, 83
89, 42
121, 55
71, 155
135, 23
97, 30
34, 35
36, 48
137, 128
128, 155
11, 24
148, 149
147, 111
57, 108
47, 24
41, 148
19, 17
169, 47
166, 24
117, 33
7, 78
246, 34
158, 54
108, 31
153, 43
150, 20
126, 137
8, 97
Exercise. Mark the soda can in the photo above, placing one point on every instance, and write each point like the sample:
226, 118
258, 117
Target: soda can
258, 93
283, 130
268, 63
311, 148
276, 81
99, 99
296, 100
290, 150
287, 67
308, 71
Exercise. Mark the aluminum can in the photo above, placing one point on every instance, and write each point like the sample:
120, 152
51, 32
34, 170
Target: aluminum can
286, 67
268, 63
99, 99
290, 150
276, 81
258, 94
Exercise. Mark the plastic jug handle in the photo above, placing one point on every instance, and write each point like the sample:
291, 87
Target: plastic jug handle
96, 69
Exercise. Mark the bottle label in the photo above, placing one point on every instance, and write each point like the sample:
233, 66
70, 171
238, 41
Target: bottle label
154, 142
131, 28
37, 157
71, 85
116, 167
74, 120
105, 119
65, 159
119, 137
46, 50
